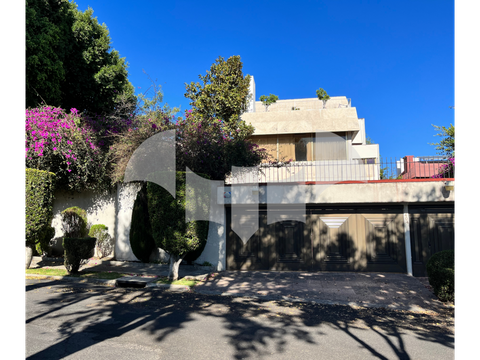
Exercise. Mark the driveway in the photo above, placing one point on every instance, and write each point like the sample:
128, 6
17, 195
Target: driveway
389, 290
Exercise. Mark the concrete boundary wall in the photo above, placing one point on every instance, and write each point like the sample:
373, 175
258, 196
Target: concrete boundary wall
115, 209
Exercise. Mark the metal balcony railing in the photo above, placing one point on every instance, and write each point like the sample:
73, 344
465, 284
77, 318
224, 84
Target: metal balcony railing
408, 167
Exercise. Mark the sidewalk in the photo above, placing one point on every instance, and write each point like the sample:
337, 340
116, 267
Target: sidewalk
388, 290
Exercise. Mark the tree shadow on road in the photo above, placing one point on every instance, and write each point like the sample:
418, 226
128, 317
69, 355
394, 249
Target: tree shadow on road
252, 327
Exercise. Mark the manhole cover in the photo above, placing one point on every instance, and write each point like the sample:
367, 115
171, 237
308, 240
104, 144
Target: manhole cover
133, 281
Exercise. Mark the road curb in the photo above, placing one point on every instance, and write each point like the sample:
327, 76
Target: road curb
169, 287
111, 283
72, 279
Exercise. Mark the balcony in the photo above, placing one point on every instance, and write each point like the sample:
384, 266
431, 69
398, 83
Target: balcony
306, 171
408, 167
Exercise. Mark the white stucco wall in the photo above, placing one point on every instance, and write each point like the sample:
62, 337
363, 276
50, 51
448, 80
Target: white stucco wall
215, 249
125, 198
100, 209
114, 210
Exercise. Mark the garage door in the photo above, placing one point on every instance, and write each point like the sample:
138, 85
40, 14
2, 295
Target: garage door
432, 230
330, 239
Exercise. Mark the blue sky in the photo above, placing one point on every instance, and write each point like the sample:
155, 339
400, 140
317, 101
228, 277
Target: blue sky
394, 59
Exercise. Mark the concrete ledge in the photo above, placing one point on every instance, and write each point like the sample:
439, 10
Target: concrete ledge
391, 192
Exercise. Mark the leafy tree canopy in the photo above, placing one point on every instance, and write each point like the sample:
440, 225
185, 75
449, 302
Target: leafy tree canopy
69, 62
446, 146
223, 93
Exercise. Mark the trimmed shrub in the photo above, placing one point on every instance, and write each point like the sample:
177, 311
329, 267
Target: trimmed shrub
141, 239
441, 274
98, 231
39, 189
43, 246
77, 250
76, 244
104, 240
167, 217
74, 222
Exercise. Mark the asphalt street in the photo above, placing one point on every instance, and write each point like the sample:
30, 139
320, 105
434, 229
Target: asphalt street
78, 321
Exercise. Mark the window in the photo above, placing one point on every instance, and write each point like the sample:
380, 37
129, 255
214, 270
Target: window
330, 146
304, 147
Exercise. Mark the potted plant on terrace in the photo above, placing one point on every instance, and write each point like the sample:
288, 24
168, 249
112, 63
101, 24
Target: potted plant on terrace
76, 242
323, 96
268, 100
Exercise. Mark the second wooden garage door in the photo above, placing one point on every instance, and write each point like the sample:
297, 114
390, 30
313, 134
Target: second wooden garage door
355, 239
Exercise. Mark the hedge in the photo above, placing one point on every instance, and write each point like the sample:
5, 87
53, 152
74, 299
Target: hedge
141, 239
441, 274
39, 195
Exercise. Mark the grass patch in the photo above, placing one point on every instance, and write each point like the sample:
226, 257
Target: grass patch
104, 275
51, 272
186, 282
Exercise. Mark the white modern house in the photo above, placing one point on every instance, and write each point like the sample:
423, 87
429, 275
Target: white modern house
320, 143
326, 210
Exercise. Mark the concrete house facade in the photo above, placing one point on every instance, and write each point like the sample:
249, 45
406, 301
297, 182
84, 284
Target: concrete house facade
327, 210
322, 143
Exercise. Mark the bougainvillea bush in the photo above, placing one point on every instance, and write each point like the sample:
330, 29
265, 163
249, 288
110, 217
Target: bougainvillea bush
55, 141
446, 170
208, 147
204, 146
125, 143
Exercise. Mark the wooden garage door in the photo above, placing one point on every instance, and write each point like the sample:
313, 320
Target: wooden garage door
333, 239
370, 240
432, 230
281, 245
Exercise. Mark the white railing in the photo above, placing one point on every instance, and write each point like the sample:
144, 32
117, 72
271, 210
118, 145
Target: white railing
306, 171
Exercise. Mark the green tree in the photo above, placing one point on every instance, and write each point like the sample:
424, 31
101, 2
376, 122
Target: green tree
170, 231
268, 100
322, 95
446, 146
69, 62
223, 93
